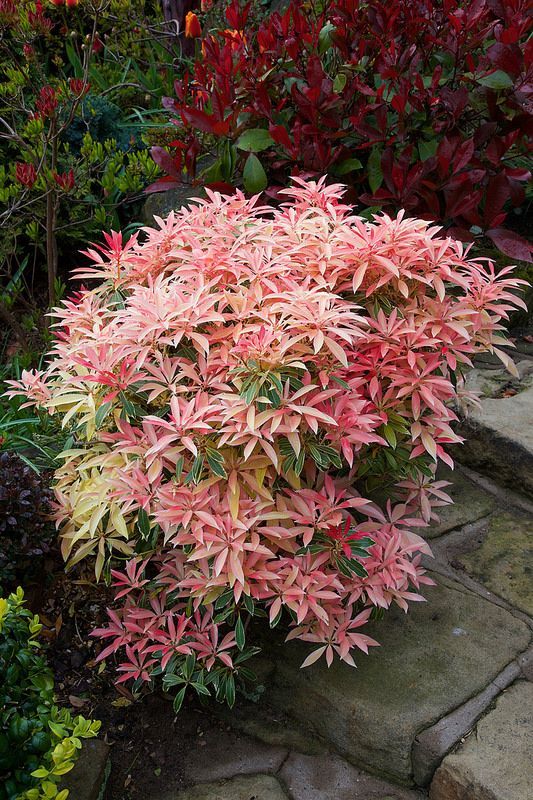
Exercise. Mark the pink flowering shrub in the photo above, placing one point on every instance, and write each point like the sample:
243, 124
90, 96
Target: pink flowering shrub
241, 386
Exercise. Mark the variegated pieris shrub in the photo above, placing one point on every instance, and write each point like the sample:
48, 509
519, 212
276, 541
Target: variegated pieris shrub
240, 387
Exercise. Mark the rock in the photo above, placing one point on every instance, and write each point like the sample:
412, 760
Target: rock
160, 204
87, 780
433, 744
226, 755
431, 661
470, 503
272, 728
504, 562
499, 440
243, 787
496, 761
525, 662
331, 778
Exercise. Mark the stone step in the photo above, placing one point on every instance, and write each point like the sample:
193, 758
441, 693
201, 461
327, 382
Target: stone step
431, 661
499, 439
496, 761
242, 787
504, 560
470, 503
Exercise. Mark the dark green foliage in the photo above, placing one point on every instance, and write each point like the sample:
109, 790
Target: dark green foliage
37, 738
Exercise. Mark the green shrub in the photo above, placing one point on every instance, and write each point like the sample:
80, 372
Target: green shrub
39, 742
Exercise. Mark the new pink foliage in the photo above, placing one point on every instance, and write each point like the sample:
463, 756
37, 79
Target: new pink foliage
237, 384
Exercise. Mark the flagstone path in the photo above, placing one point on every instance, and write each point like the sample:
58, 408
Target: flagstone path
444, 708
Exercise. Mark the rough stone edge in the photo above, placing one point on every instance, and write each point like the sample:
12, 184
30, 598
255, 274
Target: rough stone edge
432, 745
505, 458
95, 789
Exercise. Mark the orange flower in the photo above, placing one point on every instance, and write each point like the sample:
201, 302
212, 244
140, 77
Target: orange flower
193, 29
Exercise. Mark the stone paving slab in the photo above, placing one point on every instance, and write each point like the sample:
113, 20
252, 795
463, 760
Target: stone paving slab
243, 787
433, 744
496, 761
499, 440
331, 778
504, 561
470, 503
223, 756
87, 779
432, 660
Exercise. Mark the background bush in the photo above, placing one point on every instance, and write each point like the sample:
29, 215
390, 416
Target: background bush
417, 105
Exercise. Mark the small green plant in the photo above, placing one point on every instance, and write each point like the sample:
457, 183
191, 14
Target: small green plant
39, 742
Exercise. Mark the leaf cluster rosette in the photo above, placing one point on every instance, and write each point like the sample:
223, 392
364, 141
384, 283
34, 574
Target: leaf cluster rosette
257, 400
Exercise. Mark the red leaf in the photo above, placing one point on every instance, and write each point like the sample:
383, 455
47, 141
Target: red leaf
497, 194
222, 187
511, 243
204, 122
164, 160
280, 136
162, 184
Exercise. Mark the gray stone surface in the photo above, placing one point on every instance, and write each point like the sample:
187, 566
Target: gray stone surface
433, 744
431, 661
160, 204
226, 756
504, 561
470, 503
525, 662
243, 787
499, 440
272, 728
87, 778
329, 777
496, 761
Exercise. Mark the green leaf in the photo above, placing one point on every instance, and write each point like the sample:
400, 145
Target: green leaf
346, 166
216, 466
254, 176
200, 688
195, 473
179, 467
143, 522
255, 140
300, 461
340, 382
375, 175
178, 700
102, 413
325, 40
276, 619
128, 406
390, 435
188, 667
497, 80
340, 82
224, 599
240, 636
249, 604
230, 691
427, 149
349, 566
